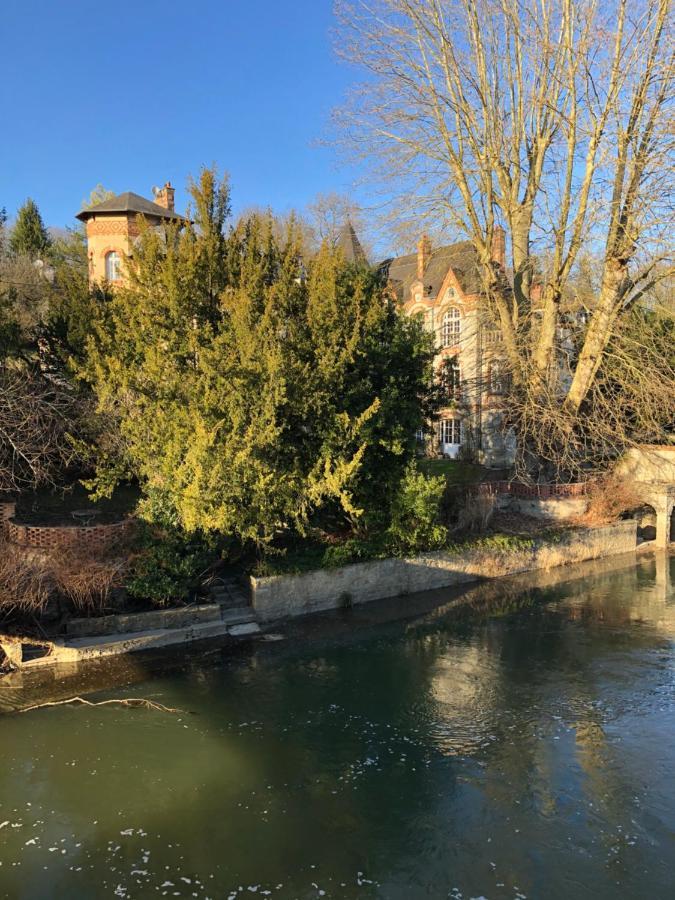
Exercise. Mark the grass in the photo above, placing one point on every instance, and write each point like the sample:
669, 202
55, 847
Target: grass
314, 555
454, 471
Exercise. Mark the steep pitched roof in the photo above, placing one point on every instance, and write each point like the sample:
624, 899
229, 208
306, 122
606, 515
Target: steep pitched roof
461, 258
128, 202
350, 245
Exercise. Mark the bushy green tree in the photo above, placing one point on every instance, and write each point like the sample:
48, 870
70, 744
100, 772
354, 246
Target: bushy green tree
251, 391
416, 513
29, 235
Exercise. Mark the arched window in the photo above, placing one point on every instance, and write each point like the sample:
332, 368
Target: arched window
112, 266
451, 327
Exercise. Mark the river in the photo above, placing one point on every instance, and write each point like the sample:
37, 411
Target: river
516, 740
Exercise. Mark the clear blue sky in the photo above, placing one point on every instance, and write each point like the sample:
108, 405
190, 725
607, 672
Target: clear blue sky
134, 94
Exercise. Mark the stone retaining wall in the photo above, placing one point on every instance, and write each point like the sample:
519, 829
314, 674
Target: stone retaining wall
159, 618
282, 596
81, 538
555, 509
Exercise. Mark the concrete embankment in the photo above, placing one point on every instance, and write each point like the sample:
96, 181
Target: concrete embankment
282, 596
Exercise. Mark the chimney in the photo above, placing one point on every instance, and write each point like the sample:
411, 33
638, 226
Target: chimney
165, 197
423, 255
499, 246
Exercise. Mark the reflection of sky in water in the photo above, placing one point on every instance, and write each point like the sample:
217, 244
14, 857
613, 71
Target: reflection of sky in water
514, 754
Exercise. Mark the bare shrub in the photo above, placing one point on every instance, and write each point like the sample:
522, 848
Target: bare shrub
87, 581
476, 513
25, 583
608, 499
37, 420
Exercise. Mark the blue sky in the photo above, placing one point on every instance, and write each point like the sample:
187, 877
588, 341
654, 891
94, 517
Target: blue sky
134, 94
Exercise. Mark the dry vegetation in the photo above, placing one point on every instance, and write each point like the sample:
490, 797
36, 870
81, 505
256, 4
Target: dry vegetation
29, 581
608, 499
25, 585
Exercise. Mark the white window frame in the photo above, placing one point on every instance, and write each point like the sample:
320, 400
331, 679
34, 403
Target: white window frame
451, 327
450, 431
113, 264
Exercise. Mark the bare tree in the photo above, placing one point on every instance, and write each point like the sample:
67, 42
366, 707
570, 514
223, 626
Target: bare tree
328, 213
37, 419
551, 118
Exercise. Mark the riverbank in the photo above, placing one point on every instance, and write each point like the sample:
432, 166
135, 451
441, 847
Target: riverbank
277, 598
281, 596
485, 599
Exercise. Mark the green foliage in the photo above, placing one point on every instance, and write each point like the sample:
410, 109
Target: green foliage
73, 306
248, 391
29, 235
416, 513
169, 565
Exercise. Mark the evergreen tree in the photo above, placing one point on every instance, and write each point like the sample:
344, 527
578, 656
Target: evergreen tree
248, 395
29, 235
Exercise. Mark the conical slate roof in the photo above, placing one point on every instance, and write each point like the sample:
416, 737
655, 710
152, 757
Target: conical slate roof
350, 245
125, 203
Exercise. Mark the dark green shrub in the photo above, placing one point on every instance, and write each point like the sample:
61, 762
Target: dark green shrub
169, 565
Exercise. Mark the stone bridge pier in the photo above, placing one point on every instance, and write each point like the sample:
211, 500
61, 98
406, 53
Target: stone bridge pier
652, 469
665, 526
662, 498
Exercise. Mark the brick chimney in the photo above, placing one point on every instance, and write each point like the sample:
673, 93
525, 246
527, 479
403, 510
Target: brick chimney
165, 197
499, 246
423, 255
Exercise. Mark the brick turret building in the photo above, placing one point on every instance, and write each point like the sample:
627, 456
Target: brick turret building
113, 225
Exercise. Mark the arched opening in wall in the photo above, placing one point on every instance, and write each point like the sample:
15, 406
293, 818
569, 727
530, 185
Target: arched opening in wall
671, 536
645, 517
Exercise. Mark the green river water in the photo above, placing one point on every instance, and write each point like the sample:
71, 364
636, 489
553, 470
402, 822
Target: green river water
514, 740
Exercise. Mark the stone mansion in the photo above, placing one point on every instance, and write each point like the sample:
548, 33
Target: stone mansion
442, 285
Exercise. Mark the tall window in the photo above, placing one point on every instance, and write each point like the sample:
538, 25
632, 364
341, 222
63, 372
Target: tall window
450, 431
454, 379
497, 378
492, 333
451, 327
112, 266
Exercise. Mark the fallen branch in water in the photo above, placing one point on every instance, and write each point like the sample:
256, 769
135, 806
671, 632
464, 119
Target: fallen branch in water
133, 702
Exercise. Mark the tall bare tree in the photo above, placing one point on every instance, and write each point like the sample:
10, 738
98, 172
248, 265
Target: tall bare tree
553, 119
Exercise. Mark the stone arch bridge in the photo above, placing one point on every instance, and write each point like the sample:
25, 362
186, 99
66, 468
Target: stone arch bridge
652, 471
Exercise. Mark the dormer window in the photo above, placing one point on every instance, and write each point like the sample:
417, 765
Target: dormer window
451, 327
113, 266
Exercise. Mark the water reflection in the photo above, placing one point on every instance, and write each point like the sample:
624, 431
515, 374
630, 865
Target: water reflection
513, 740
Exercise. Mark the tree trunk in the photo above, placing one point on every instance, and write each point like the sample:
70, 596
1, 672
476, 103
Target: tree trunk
597, 336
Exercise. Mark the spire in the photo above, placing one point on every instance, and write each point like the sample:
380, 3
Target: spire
350, 245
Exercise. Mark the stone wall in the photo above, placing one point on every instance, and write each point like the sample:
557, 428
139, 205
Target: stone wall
649, 464
281, 596
556, 509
